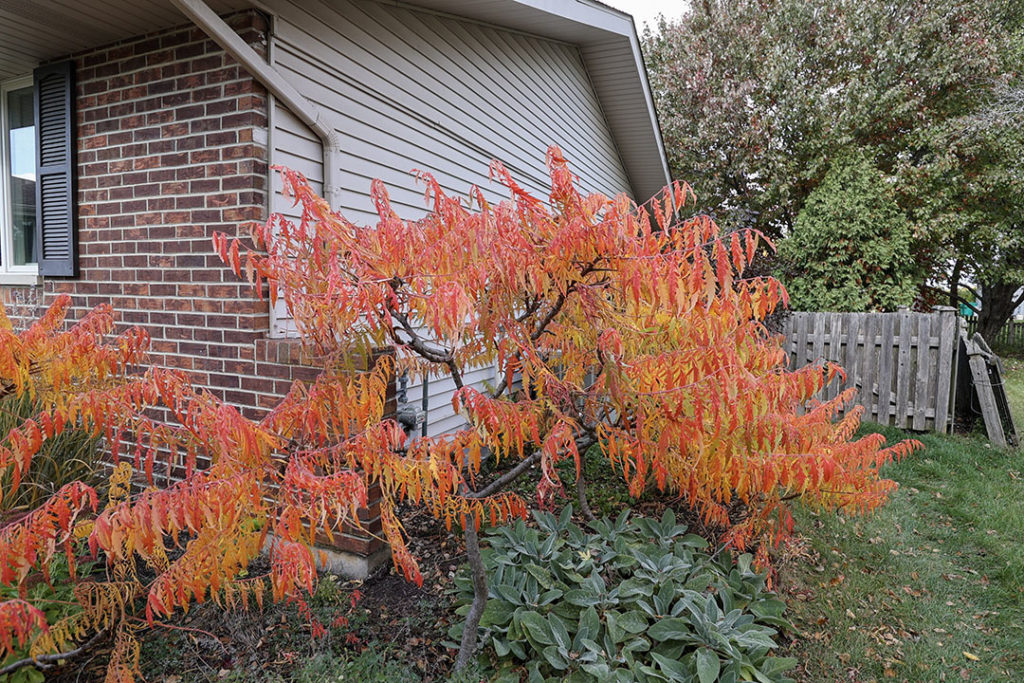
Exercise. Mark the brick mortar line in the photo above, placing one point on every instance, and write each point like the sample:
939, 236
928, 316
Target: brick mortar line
147, 98
121, 214
105, 202
176, 239
216, 329
177, 138
169, 138
94, 78
225, 98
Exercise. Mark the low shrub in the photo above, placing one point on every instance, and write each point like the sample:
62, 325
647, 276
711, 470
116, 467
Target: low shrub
73, 455
630, 599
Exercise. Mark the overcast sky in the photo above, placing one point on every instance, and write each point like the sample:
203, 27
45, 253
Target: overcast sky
647, 11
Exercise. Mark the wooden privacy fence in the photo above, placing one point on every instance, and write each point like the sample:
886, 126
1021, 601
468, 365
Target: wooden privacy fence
1009, 336
902, 364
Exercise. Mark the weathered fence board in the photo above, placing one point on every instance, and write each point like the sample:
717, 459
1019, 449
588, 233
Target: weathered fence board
923, 370
883, 388
946, 375
901, 363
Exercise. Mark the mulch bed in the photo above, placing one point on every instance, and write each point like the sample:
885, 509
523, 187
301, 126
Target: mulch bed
210, 643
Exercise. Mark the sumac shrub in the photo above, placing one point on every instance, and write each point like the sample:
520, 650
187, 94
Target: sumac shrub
608, 323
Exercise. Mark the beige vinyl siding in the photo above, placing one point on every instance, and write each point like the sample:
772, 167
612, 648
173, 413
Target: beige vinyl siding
414, 90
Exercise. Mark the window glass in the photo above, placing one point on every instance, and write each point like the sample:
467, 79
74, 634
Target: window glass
21, 152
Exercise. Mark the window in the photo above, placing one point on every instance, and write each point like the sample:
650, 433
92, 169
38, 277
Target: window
38, 212
18, 176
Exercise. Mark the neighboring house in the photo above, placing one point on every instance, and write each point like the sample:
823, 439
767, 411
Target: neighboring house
131, 132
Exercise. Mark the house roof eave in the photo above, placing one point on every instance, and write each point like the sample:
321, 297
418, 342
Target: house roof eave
42, 30
610, 48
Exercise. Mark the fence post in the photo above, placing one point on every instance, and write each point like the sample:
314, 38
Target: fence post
947, 363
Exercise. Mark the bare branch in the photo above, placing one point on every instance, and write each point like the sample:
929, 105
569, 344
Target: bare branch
507, 478
418, 344
49, 661
478, 574
542, 325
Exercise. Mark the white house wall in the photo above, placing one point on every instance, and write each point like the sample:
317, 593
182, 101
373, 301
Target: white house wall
416, 90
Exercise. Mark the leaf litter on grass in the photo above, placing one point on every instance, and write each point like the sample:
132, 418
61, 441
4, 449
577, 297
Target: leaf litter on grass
929, 579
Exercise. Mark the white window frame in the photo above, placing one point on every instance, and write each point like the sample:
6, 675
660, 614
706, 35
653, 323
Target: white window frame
27, 274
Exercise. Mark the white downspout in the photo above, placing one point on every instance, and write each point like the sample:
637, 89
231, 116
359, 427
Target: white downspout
307, 112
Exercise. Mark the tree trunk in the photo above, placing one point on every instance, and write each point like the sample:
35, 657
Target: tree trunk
998, 301
476, 610
581, 498
954, 284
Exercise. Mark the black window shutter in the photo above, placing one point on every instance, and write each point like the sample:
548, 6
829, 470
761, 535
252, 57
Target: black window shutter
56, 210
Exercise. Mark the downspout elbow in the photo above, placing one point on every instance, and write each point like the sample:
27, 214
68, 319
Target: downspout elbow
331, 143
314, 117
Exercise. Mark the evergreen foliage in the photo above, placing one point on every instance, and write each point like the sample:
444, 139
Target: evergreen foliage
850, 246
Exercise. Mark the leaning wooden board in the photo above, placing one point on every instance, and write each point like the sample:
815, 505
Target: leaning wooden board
987, 373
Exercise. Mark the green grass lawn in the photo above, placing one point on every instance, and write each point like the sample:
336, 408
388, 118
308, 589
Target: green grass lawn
928, 588
1013, 366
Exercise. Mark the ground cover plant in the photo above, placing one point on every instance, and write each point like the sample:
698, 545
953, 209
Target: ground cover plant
625, 599
610, 325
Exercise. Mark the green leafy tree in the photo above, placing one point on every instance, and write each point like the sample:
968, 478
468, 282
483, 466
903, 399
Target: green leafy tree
850, 245
756, 99
976, 213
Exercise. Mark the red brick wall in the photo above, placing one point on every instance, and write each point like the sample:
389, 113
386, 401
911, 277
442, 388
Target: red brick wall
172, 148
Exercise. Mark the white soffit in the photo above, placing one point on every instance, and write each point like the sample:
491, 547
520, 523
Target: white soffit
37, 31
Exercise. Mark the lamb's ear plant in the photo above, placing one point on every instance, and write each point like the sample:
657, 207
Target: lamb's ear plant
626, 599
